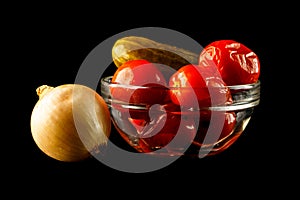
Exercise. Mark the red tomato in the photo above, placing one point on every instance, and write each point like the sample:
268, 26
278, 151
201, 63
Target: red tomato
227, 119
236, 63
164, 130
193, 84
139, 73
157, 128
150, 121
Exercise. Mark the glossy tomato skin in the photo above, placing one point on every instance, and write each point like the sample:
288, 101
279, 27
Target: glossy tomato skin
236, 63
198, 85
139, 73
162, 130
226, 121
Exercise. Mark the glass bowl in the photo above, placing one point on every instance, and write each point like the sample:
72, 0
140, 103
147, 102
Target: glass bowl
150, 122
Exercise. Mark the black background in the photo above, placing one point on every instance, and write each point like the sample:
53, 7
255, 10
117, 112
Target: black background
47, 44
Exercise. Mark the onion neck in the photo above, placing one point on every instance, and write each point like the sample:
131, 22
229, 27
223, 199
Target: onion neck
43, 89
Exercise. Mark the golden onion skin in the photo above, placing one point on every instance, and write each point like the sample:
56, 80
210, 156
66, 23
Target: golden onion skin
70, 122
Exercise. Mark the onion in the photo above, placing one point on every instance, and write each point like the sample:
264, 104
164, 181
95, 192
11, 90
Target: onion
70, 122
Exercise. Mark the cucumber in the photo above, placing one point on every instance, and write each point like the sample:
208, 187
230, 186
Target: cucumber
136, 47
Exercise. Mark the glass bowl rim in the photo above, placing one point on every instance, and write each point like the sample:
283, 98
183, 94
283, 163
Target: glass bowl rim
251, 100
106, 82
